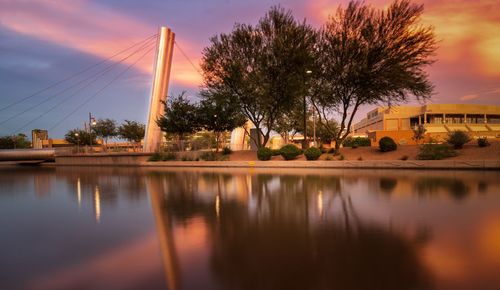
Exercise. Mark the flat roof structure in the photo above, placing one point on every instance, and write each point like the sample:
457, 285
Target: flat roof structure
438, 120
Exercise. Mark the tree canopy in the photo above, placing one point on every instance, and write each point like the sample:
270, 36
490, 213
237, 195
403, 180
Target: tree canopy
181, 118
261, 69
132, 131
105, 129
218, 115
367, 56
18, 141
81, 137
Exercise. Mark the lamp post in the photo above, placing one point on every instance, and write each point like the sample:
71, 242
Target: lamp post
314, 127
92, 122
77, 142
305, 145
216, 135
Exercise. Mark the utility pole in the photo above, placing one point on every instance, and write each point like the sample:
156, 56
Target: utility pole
304, 144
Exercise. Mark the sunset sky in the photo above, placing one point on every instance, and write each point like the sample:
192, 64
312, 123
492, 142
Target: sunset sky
43, 41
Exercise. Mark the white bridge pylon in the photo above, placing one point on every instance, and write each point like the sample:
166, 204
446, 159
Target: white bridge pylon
159, 88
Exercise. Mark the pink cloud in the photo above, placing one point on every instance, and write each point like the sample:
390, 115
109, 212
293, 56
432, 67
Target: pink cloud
89, 28
469, 97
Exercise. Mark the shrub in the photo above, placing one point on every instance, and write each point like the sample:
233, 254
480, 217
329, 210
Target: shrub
208, 156
186, 158
458, 138
418, 133
155, 157
226, 151
341, 157
264, 153
356, 142
328, 158
276, 152
435, 152
166, 156
386, 144
312, 153
169, 156
332, 151
289, 152
483, 142
404, 157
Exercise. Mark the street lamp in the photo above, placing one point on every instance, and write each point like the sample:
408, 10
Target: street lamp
92, 122
304, 144
77, 142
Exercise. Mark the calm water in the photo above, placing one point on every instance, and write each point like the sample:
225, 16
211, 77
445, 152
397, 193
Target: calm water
124, 228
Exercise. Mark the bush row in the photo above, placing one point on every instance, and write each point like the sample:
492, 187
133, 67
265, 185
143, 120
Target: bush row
205, 156
356, 142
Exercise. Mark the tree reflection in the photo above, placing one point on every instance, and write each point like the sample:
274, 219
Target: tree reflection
387, 185
456, 188
274, 240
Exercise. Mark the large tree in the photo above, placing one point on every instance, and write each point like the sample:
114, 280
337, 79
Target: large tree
18, 141
180, 118
370, 57
218, 115
262, 68
79, 137
132, 131
105, 129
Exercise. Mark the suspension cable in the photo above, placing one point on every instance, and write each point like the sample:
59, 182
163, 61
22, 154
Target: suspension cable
188, 59
93, 78
75, 74
100, 90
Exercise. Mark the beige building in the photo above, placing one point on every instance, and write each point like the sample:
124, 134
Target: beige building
439, 119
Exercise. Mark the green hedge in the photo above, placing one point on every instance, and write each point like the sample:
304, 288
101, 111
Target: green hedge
435, 152
483, 142
264, 154
289, 152
458, 139
312, 153
163, 156
356, 142
386, 144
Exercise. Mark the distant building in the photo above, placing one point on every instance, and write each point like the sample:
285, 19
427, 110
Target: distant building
37, 138
397, 122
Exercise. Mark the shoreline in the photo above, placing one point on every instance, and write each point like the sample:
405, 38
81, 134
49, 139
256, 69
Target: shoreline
389, 164
319, 164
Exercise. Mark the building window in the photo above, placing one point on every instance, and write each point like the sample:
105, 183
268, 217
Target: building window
493, 119
475, 119
435, 119
454, 119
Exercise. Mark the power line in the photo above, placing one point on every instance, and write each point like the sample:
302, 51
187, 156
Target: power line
99, 91
94, 78
74, 75
109, 83
188, 59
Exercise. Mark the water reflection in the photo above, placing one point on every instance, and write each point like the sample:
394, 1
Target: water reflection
253, 229
288, 231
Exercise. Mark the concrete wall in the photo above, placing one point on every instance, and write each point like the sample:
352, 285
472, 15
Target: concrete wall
115, 159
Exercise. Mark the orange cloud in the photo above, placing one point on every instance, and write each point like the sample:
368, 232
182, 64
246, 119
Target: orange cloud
89, 28
469, 30
469, 97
